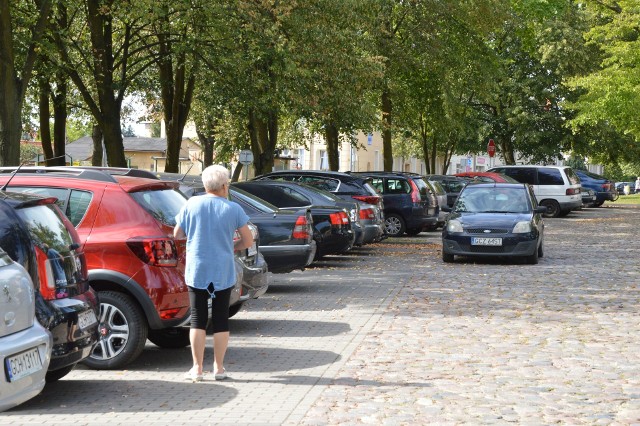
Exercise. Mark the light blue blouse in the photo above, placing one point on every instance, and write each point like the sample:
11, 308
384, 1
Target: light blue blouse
209, 223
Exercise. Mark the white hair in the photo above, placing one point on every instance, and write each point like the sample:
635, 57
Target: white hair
214, 177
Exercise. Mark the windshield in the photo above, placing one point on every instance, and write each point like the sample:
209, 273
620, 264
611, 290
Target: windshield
245, 199
492, 200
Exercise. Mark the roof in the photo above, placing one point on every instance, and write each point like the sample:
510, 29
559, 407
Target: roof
82, 149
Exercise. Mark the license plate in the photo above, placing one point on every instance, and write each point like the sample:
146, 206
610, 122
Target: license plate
86, 319
486, 241
251, 251
23, 364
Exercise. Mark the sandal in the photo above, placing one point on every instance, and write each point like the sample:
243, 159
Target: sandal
193, 375
221, 376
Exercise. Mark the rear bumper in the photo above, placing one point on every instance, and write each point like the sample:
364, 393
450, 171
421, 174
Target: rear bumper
287, 258
255, 281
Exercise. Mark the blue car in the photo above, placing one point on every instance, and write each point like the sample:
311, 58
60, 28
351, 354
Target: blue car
494, 220
604, 188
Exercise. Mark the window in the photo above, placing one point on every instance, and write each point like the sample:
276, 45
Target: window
549, 177
397, 186
78, 204
330, 185
522, 175
163, 205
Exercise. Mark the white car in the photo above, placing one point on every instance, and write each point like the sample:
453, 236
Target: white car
25, 345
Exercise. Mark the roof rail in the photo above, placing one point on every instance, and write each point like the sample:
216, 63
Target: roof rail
118, 171
78, 172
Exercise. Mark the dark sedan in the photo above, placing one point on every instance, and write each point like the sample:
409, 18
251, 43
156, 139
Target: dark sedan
332, 226
494, 220
286, 237
604, 188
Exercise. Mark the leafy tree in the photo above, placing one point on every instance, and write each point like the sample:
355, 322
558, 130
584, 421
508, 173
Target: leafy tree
22, 24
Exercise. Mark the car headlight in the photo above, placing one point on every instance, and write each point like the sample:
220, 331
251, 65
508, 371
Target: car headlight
454, 226
522, 227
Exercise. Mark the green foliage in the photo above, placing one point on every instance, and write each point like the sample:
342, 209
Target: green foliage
29, 152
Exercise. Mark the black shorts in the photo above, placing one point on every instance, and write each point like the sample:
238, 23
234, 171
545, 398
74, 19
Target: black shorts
199, 300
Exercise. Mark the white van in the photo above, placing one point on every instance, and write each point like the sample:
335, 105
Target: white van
556, 187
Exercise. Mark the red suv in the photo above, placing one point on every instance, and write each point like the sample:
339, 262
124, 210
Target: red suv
125, 225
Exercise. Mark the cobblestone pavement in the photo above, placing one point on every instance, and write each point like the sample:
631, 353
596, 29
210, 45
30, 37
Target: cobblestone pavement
391, 335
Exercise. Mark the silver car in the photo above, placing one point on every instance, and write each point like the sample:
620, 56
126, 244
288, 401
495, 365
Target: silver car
441, 195
25, 346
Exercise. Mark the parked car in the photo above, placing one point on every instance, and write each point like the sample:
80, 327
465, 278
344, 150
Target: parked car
486, 177
125, 224
441, 197
451, 184
408, 205
25, 345
621, 185
588, 197
556, 187
495, 220
333, 233
604, 188
36, 235
347, 187
286, 237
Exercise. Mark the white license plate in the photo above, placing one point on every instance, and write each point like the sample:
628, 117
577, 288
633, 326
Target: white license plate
23, 364
251, 251
486, 241
86, 319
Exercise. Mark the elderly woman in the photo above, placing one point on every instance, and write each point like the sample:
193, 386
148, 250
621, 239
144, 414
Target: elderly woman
208, 223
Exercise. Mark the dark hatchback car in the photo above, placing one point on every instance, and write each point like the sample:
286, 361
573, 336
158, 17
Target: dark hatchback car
494, 220
35, 234
345, 186
604, 188
408, 205
333, 233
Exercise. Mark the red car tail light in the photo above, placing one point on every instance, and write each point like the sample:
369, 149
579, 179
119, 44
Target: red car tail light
155, 251
415, 193
339, 218
367, 214
367, 199
573, 191
301, 229
45, 275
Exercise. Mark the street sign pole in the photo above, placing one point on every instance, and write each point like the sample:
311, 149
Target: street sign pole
245, 158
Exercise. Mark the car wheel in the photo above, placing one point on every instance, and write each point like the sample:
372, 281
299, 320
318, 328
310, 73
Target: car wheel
123, 332
553, 208
598, 203
447, 257
533, 259
55, 375
394, 225
234, 309
413, 232
174, 337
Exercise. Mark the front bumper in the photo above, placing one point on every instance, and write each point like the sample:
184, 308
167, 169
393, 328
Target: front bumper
511, 246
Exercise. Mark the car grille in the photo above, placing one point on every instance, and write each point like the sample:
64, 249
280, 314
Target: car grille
486, 249
484, 231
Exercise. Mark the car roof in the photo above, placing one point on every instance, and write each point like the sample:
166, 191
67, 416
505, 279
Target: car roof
495, 185
21, 199
328, 173
528, 166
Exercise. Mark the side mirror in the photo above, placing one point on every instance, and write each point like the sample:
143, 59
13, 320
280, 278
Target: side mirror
540, 209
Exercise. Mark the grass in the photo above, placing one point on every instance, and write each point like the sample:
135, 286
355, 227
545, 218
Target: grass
627, 199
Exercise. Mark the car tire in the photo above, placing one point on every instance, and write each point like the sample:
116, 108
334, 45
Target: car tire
553, 208
394, 225
533, 259
172, 338
598, 203
55, 375
447, 257
123, 332
234, 309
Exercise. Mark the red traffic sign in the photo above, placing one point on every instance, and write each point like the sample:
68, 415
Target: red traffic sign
491, 148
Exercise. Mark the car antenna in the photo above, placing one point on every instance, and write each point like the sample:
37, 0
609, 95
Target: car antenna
185, 173
4, 187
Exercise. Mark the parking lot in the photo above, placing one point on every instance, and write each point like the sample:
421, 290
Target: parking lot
388, 334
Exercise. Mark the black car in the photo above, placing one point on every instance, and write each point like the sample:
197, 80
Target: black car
33, 227
286, 237
604, 188
332, 226
494, 220
345, 186
408, 204
451, 184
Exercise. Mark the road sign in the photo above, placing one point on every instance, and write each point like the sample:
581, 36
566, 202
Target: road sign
491, 148
245, 157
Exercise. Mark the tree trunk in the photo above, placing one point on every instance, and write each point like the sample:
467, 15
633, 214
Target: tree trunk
45, 115
207, 138
386, 131
331, 139
424, 142
59, 96
264, 138
96, 136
